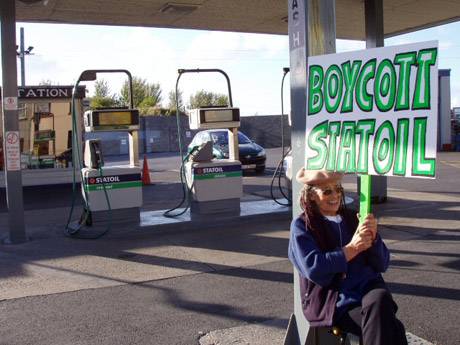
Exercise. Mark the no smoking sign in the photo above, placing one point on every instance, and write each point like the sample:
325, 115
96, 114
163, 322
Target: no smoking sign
10, 103
12, 138
12, 150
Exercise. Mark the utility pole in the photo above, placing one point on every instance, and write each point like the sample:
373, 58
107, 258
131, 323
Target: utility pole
22, 54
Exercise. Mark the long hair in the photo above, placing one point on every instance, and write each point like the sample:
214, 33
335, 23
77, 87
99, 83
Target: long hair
314, 220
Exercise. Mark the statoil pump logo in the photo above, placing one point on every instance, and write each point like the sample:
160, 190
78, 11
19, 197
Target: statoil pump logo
213, 170
105, 179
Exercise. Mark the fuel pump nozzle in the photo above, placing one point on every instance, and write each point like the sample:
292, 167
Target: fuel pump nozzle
201, 153
93, 154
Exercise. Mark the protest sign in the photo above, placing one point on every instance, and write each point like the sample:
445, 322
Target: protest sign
374, 112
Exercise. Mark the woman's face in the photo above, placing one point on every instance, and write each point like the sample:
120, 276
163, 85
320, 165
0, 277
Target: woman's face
328, 196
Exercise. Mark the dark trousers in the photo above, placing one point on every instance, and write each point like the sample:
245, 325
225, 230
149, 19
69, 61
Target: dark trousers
374, 321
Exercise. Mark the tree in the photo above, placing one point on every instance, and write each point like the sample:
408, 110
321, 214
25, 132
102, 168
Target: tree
101, 88
102, 97
102, 102
172, 101
46, 82
149, 106
204, 98
143, 92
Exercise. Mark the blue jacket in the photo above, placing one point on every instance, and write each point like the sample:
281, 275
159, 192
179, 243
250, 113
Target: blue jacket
330, 285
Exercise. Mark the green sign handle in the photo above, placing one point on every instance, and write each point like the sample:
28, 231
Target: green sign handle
364, 197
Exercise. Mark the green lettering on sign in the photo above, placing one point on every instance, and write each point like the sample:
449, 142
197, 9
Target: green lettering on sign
402, 140
373, 111
333, 87
347, 150
316, 143
364, 128
425, 59
315, 94
363, 98
384, 144
350, 75
421, 165
334, 131
405, 62
385, 85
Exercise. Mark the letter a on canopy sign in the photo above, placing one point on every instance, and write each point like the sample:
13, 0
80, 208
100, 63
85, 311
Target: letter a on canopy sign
374, 112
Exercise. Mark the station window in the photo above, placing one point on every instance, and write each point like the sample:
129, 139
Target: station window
44, 129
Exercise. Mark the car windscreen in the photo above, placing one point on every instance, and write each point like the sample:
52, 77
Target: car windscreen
242, 139
221, 138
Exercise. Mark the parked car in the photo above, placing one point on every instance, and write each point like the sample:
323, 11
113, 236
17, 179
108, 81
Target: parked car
251, 155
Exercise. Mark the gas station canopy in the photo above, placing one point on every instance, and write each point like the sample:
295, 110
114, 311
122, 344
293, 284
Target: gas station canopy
257, 16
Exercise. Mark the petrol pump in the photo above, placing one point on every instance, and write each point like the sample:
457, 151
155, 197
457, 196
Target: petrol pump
110, 193
215, 186
121, 183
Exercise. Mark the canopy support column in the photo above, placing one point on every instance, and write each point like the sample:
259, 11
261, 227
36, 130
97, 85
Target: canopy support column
11, 138
311, 27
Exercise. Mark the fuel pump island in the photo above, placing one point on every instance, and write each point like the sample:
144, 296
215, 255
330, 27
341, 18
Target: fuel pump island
113, 194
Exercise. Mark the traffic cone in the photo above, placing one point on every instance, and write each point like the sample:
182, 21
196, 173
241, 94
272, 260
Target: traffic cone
145, 172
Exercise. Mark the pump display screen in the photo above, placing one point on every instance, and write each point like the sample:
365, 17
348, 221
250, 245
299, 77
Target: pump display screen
214, 117
111, 120
218, 116
115, 118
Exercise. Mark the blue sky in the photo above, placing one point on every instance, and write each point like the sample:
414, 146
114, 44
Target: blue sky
254, 62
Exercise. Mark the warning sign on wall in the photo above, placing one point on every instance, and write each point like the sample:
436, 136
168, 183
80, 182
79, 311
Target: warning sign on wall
12, 150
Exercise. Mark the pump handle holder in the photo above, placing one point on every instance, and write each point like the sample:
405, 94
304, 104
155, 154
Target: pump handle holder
91, 75
213, 70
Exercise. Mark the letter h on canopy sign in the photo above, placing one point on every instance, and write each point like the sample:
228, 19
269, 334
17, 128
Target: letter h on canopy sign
374, 111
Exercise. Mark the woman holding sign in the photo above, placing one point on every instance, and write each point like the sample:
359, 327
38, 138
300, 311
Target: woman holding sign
340, 262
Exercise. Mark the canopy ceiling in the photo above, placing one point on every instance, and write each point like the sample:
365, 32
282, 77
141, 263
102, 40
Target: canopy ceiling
260, 16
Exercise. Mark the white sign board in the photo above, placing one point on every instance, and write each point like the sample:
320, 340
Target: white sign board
12, 150
10, 103
374, 111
